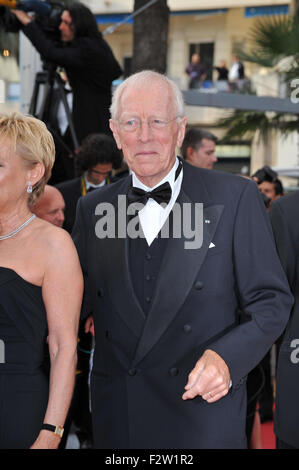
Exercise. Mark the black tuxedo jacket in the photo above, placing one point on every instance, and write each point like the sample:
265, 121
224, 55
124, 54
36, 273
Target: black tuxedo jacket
285, 222
141, 364
71, 191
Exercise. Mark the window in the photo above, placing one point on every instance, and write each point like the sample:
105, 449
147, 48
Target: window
206, 52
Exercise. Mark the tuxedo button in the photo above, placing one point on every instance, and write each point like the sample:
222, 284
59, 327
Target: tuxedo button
148, 299
132, 372
174, 371
198, 285
148, 256
101, 292
147, 277
187, 328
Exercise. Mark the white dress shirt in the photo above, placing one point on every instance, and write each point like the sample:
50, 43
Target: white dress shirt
153, 216
91, 185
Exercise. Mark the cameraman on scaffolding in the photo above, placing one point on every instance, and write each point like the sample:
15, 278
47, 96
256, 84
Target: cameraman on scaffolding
88, 61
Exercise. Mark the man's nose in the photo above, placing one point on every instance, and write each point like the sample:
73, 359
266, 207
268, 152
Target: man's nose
60, 216
144, 131
100, 178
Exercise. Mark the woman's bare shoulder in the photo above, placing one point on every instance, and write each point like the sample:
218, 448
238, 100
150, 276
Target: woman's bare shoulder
53, 241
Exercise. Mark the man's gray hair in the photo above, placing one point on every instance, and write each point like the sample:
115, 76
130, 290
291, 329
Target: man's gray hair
147, 76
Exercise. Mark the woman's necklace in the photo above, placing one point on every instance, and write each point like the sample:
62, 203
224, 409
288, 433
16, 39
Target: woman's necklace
17, 230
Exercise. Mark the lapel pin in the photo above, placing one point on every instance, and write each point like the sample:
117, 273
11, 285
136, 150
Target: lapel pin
207, 221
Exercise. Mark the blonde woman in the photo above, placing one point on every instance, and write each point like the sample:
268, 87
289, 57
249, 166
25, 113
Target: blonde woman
40, 294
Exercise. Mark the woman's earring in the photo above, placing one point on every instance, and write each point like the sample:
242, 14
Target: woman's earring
29, 187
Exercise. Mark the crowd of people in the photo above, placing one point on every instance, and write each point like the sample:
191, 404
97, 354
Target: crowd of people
137, 336
230, 79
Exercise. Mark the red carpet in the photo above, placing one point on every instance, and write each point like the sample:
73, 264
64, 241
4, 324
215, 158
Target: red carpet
268, 436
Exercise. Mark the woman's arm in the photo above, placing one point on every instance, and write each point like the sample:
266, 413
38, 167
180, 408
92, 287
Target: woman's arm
62, 290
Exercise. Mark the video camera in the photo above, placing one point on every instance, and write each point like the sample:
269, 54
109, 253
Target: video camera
47, 14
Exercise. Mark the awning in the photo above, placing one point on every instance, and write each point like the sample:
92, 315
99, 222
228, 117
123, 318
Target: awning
118, 17
251, 12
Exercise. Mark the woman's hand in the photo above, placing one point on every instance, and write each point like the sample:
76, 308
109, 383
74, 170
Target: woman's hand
46, 440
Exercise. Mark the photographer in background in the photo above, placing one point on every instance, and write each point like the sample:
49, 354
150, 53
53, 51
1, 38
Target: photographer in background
88, 61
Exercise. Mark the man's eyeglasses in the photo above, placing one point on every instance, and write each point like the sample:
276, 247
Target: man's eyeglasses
132, 124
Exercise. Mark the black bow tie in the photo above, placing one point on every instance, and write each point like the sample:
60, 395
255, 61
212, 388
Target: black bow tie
160, 194
91, 188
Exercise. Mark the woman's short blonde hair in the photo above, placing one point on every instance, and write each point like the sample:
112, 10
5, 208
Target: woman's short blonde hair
32, 142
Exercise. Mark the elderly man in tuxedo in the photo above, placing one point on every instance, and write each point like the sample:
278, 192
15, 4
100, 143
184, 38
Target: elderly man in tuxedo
180, 316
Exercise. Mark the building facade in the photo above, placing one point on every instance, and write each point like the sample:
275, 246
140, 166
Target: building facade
216, 33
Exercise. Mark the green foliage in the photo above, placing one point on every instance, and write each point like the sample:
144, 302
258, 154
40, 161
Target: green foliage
271, 39
247, 123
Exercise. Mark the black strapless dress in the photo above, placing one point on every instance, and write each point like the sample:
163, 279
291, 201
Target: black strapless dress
23, 357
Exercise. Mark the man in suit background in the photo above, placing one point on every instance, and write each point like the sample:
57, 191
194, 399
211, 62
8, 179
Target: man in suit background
198, 148
284, 219
50, 206
171, 351
96, 158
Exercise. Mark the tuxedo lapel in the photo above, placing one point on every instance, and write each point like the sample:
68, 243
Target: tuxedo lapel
178, 272
114, 264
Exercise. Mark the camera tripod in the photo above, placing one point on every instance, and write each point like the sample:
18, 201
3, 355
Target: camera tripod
51, 80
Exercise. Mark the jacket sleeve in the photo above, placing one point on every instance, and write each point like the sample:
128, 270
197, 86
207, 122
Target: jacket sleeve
79, 235
261, 286
285, 245
63, 56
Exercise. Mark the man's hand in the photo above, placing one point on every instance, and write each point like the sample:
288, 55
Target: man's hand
210, 378
22, 16
89, 325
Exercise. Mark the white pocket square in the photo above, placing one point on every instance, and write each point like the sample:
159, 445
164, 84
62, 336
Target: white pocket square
211, 245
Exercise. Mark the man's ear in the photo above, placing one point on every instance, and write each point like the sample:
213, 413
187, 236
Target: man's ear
182, 130
114, 129
189, 153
